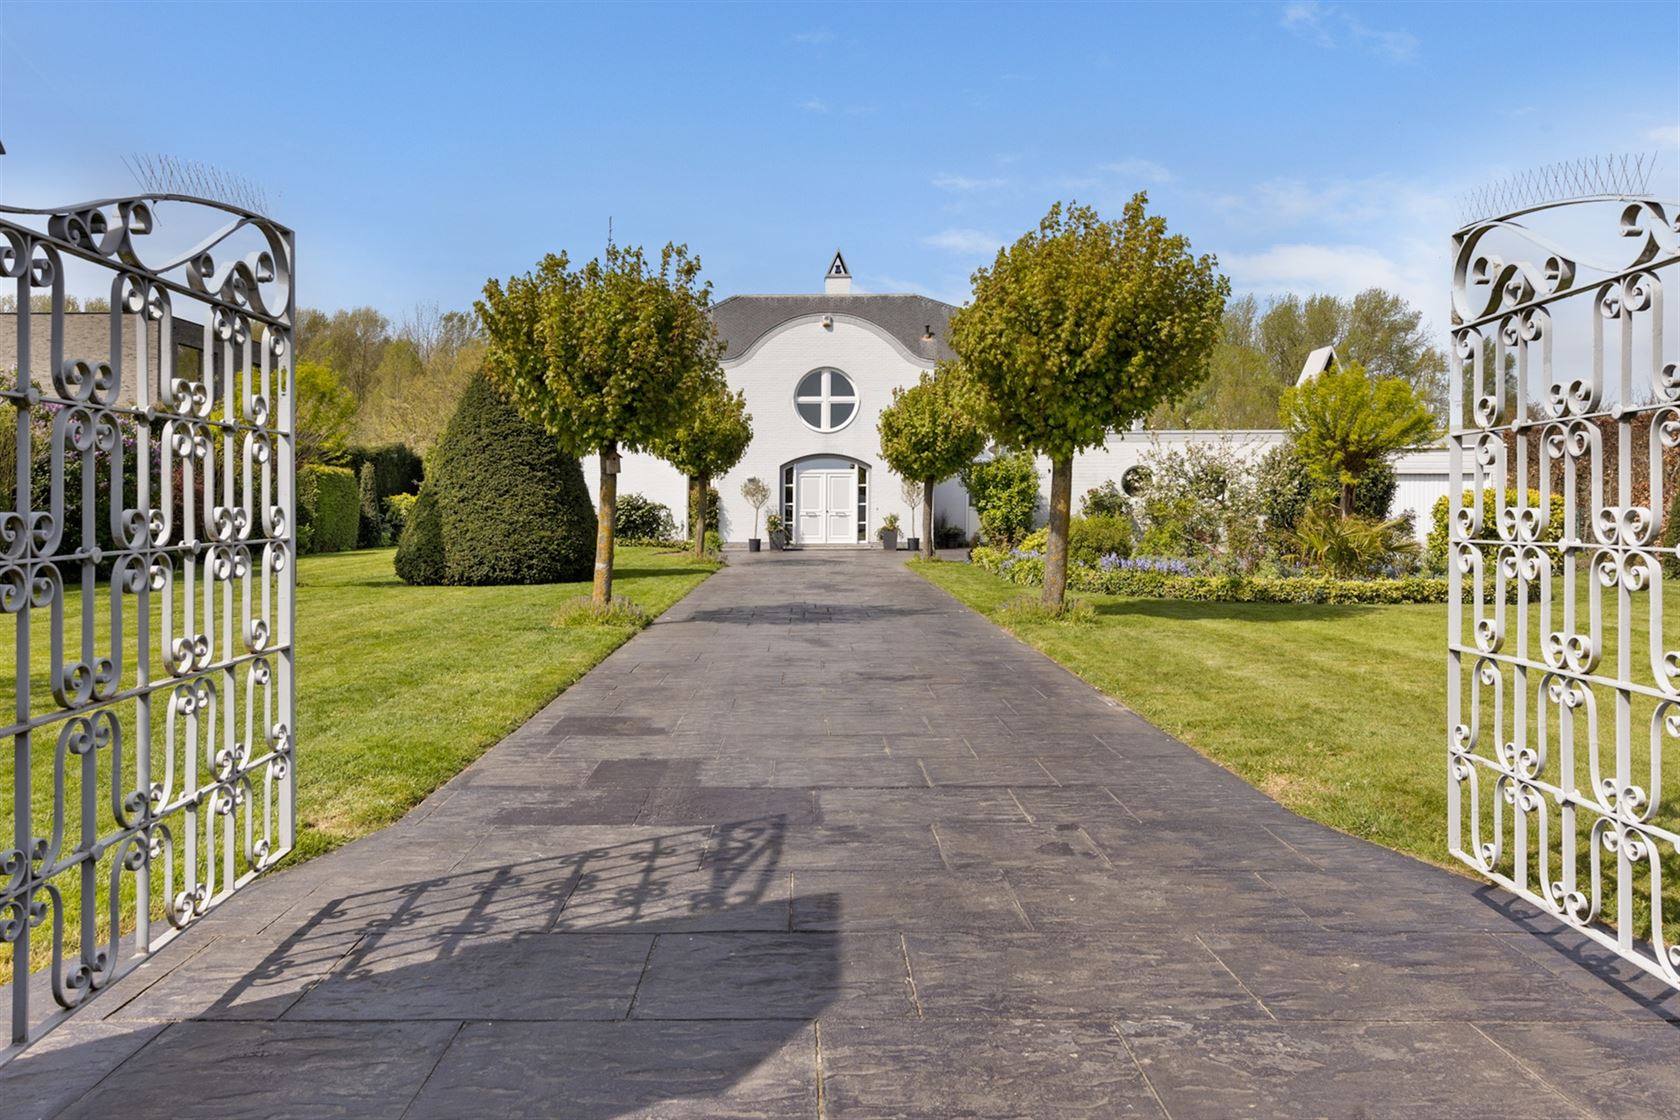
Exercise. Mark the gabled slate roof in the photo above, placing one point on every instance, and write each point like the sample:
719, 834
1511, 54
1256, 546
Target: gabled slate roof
743, 320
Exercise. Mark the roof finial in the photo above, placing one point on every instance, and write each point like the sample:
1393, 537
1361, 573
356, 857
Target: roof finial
838, 281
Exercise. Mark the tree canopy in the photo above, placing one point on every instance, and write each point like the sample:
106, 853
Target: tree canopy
929, 434
326, 410
406, 377
602, 357
1077, 329
1344, 421
707, 441
1263, 345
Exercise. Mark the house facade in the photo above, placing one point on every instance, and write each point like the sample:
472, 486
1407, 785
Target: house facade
818, 369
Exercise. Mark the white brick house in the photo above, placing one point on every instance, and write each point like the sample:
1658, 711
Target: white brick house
818, 369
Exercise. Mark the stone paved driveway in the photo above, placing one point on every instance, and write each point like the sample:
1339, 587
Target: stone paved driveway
822, 842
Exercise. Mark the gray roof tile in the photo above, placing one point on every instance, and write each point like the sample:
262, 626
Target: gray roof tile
743, 320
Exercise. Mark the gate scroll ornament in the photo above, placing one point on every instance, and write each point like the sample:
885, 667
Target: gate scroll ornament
1563, 683
146, 581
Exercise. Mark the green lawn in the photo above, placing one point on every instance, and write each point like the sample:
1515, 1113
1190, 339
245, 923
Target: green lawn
1337, 712
399, 687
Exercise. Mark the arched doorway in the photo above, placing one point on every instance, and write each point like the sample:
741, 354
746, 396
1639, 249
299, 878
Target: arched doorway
825, 500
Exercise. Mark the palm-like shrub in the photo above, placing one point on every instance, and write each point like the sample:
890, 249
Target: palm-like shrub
1352, 547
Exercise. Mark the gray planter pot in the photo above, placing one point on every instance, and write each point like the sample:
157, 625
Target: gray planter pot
753, 544
778, 541
889, 540
913, 543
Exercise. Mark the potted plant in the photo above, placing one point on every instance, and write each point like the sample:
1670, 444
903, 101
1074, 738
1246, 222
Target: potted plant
912, 491
756, 494
889, 532
778, 532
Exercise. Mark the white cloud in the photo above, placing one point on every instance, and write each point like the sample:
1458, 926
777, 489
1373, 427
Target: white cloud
816, 37
1330, 26
956, 293
965, 183
971, 241
814, 105
1668, 135
1146, 169
1378, 203
1307, 19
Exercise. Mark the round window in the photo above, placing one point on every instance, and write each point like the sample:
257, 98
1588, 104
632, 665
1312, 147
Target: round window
826, 400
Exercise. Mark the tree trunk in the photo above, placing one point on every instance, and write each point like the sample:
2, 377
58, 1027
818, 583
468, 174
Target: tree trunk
1347, 499
702, 485
1056, 555
605, 522
927, 519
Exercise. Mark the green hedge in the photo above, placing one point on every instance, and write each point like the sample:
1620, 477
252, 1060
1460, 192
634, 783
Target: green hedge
1435, 548
328, 507
419, 558
396, 468
1028, 571
503, 503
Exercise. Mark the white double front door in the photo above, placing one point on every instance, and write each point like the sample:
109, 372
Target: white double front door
827, 506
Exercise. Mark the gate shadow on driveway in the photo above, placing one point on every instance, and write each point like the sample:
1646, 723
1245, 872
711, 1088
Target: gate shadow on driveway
657, 975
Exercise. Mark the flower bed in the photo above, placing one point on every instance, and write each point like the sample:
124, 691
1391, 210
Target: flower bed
1147, 578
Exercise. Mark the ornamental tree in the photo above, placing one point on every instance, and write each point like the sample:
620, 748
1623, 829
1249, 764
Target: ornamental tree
1079, 328
1345, 423
602, 357
710, 438
756, 494
929, 434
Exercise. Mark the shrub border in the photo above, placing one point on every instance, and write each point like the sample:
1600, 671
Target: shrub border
1028, 571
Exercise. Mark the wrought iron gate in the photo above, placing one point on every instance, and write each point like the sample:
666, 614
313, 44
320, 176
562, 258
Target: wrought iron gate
1563, 687
146, 579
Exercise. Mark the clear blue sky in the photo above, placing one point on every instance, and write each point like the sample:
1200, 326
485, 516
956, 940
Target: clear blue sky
420, 149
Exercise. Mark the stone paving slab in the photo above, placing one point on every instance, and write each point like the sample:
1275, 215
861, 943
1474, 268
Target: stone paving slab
821, 842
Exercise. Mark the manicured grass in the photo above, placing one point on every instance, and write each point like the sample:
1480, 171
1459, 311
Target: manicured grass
1337, 712
399, 687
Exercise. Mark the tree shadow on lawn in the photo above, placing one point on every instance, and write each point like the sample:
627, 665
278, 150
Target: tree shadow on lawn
1194, 609
618, 574
656, 573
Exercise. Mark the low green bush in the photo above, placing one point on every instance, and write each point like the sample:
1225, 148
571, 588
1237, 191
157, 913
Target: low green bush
1004, 491
641, 518
329, 508
1106, 500
946, 535
1092, 537
419, 559
1028, 571
398, 508
1671, 537
1435, 546
1354, 547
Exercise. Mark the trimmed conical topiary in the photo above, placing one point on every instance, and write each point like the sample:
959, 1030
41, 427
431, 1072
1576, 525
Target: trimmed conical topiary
511, 507
420, 548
